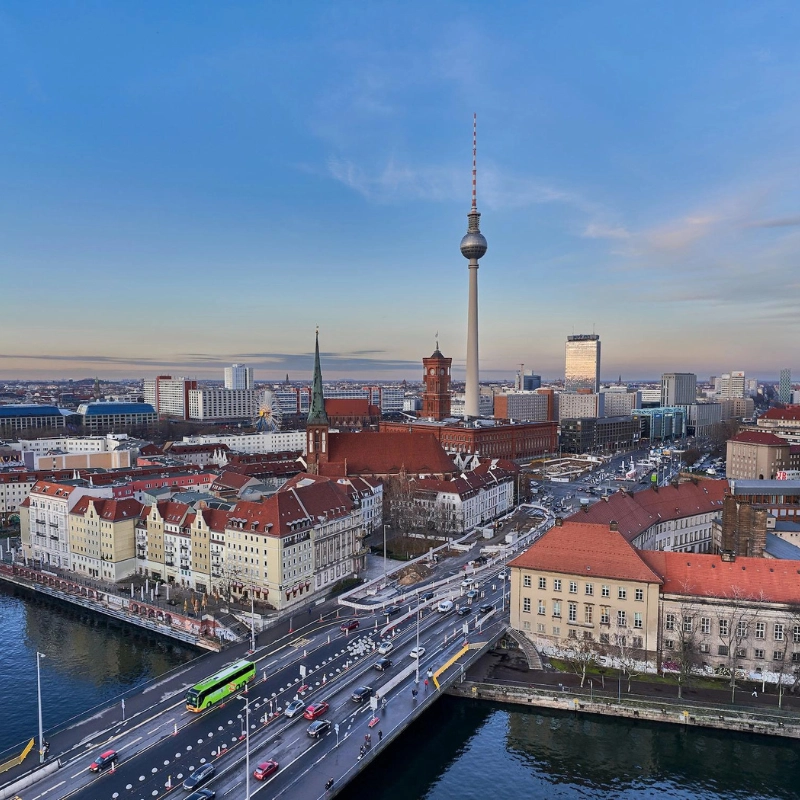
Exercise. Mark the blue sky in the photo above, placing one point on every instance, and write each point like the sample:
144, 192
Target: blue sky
183, 185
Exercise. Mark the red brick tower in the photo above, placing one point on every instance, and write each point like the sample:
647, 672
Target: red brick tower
436, 398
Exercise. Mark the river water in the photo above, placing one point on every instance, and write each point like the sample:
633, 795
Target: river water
460, 750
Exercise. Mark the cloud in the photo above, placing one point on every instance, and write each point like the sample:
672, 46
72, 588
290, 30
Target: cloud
778, 222
680, 234
598, 230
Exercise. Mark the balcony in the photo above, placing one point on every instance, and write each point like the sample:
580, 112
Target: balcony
170, 563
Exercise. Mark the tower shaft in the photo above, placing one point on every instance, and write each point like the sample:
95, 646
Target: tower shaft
472, 388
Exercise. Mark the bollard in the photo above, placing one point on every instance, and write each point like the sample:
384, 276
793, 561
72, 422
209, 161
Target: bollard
175, 729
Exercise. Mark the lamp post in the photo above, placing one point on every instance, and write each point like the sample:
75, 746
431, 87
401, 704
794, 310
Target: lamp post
39, 692
247, 746
384, 552
416, 679
252, 621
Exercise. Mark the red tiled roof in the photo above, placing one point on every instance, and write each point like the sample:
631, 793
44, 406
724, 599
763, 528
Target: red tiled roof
150, 450
336, 407
172, 511
215, 518
231, 480
386, 454
579, 548
770, 580
789, 412
635, 513
755, 437
52, 489
111, 510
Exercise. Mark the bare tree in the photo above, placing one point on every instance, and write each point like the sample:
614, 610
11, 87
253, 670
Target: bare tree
230, 575
685, 654
734, 628
785, 656
581, 655
629, 653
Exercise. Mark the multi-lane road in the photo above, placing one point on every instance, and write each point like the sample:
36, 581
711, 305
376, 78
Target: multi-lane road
325, 663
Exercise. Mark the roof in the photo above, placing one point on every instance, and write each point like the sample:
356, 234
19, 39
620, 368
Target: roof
110, 510
468, 484
232, 480
52, 489
590, 550
97, 409
29, 410
754, 437
387, 454
780, 548
635, 513
358, 407
787, 413
180, 448
702, 575
776, 488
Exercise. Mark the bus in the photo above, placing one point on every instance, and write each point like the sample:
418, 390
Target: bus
226, 682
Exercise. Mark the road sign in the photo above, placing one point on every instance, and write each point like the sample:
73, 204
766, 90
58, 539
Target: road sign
373, 702
336, 728
465, 628
302, 670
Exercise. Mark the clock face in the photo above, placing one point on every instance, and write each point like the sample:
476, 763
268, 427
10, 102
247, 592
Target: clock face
432, 371
441, 372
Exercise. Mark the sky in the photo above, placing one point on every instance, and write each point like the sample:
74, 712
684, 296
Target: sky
185, 185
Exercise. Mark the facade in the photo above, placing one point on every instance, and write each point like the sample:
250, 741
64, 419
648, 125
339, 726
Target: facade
352, 414
661, 424
582, 370
297, 399
239, 378
523, 406
113, 459
22, 417
783, 422
16, 486
436, 376
703, 417
678, 389
103, 417
590, 435
169, 396
753, 455
785, 386
202, 455
265, 442
732, 384
581, 406
208, 405
620, 404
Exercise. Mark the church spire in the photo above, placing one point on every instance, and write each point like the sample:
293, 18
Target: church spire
316, 414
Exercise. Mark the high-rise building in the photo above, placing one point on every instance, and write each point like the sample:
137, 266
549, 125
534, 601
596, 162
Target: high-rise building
238, 377
169, 396
436, 398
582, 369
785, 386
732, 384
678, 388
473, 247
527, 381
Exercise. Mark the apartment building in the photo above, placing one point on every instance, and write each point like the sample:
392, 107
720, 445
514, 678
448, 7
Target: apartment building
755, 455
208, 405
169, 396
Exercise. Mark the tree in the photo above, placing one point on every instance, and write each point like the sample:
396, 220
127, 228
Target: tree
734, 628
230, 575
629, 654
685, 654
581, 655
788, 667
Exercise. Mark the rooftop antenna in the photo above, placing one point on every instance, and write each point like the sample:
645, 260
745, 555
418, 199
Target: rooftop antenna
437, 339
474, 162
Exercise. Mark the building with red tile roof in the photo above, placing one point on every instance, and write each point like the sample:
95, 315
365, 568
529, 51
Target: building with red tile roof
756, 455
353, 414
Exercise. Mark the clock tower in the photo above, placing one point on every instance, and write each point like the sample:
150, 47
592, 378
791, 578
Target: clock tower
436, 398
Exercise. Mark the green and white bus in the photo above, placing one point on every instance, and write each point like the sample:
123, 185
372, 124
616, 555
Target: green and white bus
226, 682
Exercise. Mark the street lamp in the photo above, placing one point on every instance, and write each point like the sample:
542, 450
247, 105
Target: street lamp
39, 692
247, 745
416, 680
252, 620
384, 552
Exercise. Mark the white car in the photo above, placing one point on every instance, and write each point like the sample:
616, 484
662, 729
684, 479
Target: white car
502, 575
417, 652
466, 583
385, 647
445, 606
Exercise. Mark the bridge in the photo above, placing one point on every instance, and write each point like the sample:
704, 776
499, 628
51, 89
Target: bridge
159, 743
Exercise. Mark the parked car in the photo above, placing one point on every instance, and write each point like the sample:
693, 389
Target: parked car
199, 777
318, 727
265, 769
385, 647
382, 664
361, 694
350, 625
316, 710
104, 760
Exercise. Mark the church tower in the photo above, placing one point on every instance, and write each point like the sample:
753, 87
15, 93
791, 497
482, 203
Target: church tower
436, 398
317, 424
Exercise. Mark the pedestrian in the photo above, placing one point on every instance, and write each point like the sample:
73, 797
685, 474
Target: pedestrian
329, 784
755, 693
380, 736
361, 752
426, 684
367, 739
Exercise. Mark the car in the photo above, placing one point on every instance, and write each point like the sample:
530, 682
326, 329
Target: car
417, 652
361, 694
427, 596
445, 606
502, 575
486, 608
464, 610
202, 794
350, 625
318, 727
104, 760
472, 594
265, 769
316, 710
385, 647
294, 708
389, 610
199, 776
481, 560
465, 584
382, 664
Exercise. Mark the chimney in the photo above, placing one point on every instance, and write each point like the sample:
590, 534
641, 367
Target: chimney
559, 522
613, 525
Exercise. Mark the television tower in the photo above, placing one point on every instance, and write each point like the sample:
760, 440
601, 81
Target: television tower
473, 247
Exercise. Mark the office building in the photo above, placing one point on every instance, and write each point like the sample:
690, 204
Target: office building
20, 417
522, 406
731, 384
661, 424
110, 417
169, 396
620, 404
580, 406
582, 369
678, 388
239, 377
785, 386
208, 405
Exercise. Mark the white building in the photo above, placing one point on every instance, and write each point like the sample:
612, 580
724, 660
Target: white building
267, 442
485, 403
731, 384
239, 377
522, 406
215, 404
620, 404
169, 396
580, 406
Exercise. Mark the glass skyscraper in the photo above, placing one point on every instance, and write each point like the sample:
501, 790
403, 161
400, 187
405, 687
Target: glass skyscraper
583, 363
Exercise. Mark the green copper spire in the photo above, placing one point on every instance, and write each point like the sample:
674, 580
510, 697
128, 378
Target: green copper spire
317, 415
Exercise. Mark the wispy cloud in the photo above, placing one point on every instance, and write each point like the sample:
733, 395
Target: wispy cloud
778, 222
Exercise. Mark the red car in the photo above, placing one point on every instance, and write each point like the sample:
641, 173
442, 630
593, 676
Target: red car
316, 710
351, 625
103, 760
265, 769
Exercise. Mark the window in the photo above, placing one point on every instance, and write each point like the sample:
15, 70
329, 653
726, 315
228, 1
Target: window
542, 583
796, 634
723, 629
795, 658
605, 591
758, 654
556, 630
526, 626
622, 619
669, 622
669, 644
777, 655
556, 608
741, 652
573, 587
540, 627
622, 593
572, 633
542, 609
687, 624
621, 641
741, 629
778, 632
557, 584
705, 647
637, 619
526, 605
637, 641
761, 630
590, 591
705, 625
526, 581
603, 638
587, 614
639, 594
572, 611
723, 649
587, 635
605, 615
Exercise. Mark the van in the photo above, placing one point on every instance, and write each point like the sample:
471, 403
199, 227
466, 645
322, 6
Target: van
445, 606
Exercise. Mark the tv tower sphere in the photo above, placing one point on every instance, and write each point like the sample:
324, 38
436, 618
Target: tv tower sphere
473, 245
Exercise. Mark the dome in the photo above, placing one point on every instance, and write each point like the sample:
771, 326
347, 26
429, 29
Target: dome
473, 245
